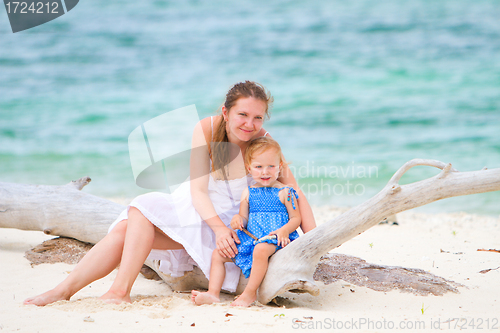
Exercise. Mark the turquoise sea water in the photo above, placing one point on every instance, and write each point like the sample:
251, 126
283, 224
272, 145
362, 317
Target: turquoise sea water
360, 88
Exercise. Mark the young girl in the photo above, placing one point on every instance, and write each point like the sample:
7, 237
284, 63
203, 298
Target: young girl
267, 208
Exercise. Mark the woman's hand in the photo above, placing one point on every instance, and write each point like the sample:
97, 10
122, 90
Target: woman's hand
225, 240
282, 236
237, 222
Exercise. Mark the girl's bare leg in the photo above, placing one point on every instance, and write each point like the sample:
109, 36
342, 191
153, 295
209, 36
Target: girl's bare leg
97, 263
260, 261
217, 275
140, 238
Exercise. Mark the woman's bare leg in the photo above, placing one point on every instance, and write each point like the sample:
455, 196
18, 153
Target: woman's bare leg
217, 275
103, 258
141, 237
96, 264
260, 261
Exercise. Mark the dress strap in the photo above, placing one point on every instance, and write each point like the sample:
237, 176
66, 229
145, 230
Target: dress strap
212, 126
266, 133
291, 194
210, 143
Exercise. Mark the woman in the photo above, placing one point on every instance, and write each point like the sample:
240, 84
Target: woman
183, 229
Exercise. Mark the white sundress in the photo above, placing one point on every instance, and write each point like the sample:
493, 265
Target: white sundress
175, 215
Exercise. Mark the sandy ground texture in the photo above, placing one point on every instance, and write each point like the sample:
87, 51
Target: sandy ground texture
445, 245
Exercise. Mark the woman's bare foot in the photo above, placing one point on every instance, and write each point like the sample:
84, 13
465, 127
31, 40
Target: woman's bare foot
115, 297
200, 298
245, 299
48, 297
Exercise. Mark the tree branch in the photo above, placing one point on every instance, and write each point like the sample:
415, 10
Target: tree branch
297, 262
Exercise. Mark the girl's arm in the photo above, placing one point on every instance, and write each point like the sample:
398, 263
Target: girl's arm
288, 198
307, 218
293, 211
239, 221
199, 177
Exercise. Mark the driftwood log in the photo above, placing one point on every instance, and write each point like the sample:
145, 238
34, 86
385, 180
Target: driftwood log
66, 211
57, 210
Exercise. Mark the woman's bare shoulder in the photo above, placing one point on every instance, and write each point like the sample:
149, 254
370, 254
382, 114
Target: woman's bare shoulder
263, 132
206, 126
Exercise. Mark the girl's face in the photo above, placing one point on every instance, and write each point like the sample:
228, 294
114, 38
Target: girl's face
245, 119
265, 167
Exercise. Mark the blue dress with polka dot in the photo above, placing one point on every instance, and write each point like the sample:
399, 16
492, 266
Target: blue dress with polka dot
266, 214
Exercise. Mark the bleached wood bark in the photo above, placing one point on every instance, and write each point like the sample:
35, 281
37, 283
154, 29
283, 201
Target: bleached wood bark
293, 267
65, 211
57, 210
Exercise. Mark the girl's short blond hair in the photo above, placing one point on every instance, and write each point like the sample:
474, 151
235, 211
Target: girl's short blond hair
260, 145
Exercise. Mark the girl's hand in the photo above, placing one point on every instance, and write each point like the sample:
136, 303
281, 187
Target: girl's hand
225, 239
282, 237
237, 222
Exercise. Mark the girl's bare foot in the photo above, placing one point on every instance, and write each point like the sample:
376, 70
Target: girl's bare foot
113, 297
48, 297
245, 299
194, 293
200, 298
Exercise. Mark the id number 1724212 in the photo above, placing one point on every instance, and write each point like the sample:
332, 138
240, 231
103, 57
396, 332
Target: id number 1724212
472, 323
38, 8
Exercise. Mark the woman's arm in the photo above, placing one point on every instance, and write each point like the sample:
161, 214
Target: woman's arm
199, 178
307, 218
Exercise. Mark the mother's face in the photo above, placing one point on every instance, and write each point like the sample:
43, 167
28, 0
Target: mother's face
245, 119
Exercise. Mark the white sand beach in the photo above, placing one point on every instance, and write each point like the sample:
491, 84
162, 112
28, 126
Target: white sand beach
446, 245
